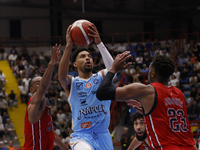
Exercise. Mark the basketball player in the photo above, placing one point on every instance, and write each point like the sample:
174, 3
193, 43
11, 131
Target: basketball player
164, 107
140, 132
38, 130
90, 116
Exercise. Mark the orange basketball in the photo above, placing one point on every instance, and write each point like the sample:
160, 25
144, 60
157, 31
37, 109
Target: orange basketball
80, 32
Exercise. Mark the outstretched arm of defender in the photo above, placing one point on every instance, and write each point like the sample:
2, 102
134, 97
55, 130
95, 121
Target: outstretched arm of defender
35, 108
63, 69
138, 91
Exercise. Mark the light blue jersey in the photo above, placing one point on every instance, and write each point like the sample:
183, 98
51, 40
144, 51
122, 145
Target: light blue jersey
88, 112
90, 117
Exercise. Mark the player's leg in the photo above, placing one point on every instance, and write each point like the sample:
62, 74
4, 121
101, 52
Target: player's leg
82, 145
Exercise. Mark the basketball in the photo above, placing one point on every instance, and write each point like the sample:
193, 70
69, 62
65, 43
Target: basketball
80, 32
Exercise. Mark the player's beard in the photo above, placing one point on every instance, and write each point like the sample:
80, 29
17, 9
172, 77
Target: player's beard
141, 138
87, 69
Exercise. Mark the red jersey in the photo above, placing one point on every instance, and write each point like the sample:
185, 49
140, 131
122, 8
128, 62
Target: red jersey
167, 126
40, 135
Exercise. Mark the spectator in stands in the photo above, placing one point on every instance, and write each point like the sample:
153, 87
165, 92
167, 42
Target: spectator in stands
189, 110
34, 54
130, 46
2, 79
177, 73
166, 48
2, 133
193, 58
193, 93
4, 94
61, 118
42, 69
148, 45
145, 52
145, 70
163, 52
12, 99
198, 78
125, 139
10, 129
13, 49
53, 108
198, 97
12, 58
2, 146
28, 67
173, 81
136, 77
26, 80
10, 145
24, 93
156, 44
65, 133
196, 49
2, 53
121, 48
134, 53
147, 59
195, 111
20, 68
113, 47
3, 105
184, 71
152, 52
139, 60
23, 61
31, 74
4, 118
196, 67
181, 60
139, 47
191, 46
193, 81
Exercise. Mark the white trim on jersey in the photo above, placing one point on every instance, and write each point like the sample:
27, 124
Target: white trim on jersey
150, 138
33, 134
40, 135
152, 126
68, 99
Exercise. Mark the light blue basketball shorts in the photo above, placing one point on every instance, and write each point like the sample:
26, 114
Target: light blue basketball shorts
99, 139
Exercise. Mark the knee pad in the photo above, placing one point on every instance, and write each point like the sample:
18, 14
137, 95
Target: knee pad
82, 145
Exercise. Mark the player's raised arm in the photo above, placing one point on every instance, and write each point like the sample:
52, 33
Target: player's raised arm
38, 104
63, 69
107, 58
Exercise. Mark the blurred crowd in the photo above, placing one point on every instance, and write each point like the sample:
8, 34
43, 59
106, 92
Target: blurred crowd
25, 66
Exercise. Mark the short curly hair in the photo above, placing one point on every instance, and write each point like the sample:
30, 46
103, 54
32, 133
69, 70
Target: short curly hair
164, 65
76, 52
136, 116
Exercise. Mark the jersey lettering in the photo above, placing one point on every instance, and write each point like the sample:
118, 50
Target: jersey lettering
91, 110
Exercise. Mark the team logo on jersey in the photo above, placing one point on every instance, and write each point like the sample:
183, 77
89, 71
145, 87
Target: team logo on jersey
94, 92
88, 85
81, 94
50, 126
86, 125
79, 85
95, 81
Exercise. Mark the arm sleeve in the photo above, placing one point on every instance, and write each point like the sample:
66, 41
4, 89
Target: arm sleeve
107, 58
106, 90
